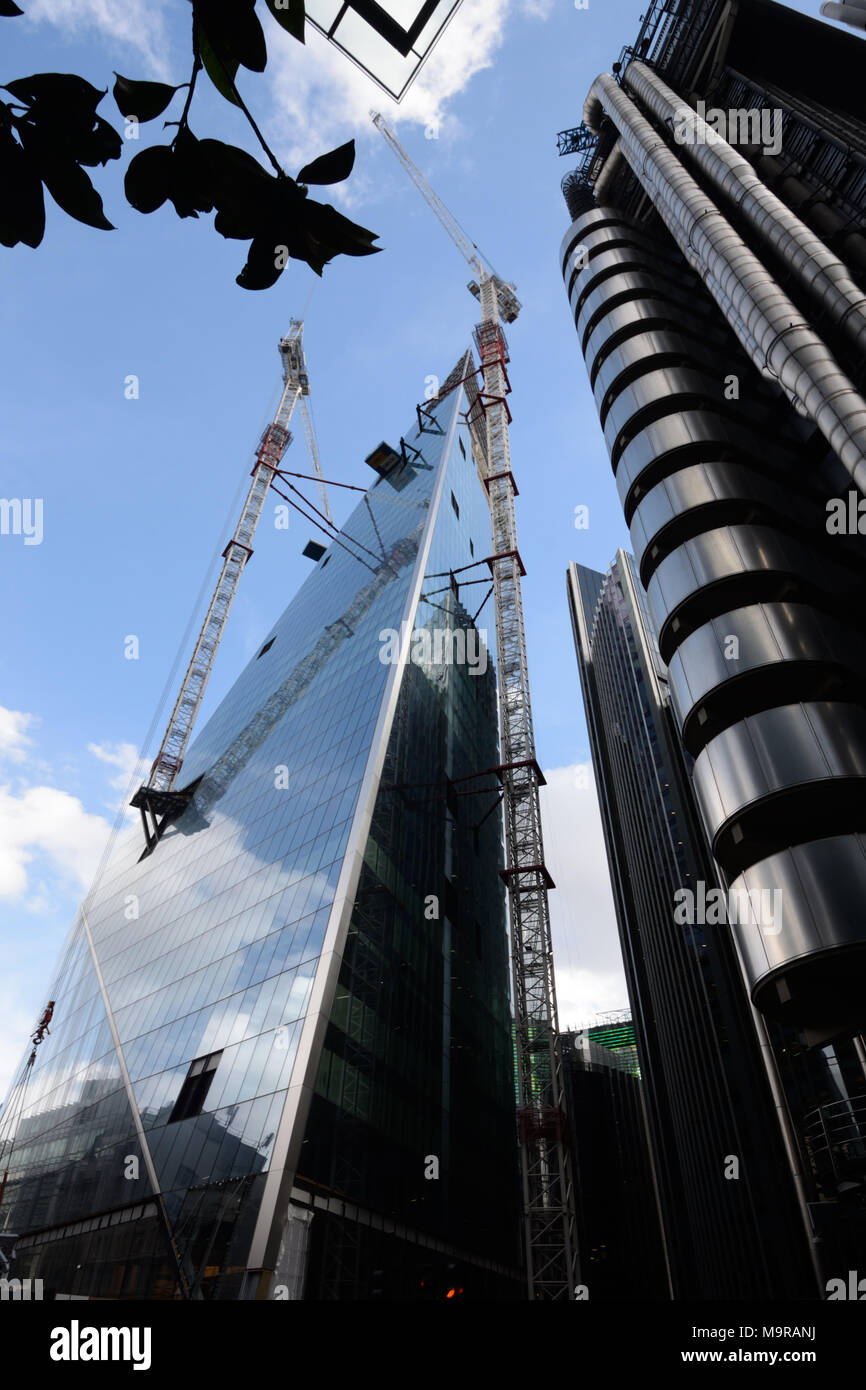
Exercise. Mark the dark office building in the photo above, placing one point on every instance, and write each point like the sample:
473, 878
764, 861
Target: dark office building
718, 287
622, 1254
280, 1061
706, 1095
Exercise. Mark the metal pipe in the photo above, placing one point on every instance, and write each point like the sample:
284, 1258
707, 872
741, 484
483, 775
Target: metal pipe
816, 267
763, 314
610, 169
593, 112
850, 13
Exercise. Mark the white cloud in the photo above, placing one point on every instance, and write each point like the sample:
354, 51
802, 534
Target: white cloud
581, 995
14, 743
137, 24
589, 971
323, 98
124, 756
45, 824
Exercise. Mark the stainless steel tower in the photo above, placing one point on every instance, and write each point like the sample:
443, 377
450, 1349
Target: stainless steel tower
716, 271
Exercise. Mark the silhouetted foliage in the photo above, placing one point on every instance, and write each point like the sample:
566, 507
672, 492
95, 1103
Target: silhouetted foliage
50, 133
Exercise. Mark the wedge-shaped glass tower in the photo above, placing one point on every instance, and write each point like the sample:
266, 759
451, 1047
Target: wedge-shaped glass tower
280, 1059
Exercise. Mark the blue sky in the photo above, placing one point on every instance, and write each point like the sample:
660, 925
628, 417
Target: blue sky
140, 495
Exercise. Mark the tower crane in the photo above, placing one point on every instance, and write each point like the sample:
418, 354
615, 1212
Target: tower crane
509, 304
158, 799
295, 370
548, 1193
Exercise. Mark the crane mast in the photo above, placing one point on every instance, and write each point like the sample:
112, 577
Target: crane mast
158, 798
548, 1192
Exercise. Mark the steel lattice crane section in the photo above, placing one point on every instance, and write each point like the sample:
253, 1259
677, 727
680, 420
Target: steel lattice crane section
157, 798
548, 1197
295, 371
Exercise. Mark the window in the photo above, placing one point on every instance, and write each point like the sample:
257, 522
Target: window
193, 1092
266, 647
389, 49
454, 505
462, 446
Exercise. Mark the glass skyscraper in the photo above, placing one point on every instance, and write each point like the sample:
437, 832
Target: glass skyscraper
280, 1060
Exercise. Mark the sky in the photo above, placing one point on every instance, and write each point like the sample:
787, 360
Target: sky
139, 495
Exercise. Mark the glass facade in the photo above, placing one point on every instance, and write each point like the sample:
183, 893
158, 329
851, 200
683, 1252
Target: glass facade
304, 987
389, 41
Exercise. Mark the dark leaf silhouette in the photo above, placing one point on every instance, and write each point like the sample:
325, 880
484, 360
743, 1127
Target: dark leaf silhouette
243, 192
59, 131
221, 68
72, 190
265, 261
148, 178
98, 145
230, 36
22, 208
336, 233
50, 133
330, 168
144, 100
290, 15
191, 177
178, 173
63, 92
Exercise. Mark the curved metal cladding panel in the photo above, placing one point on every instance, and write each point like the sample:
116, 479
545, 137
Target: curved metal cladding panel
720, 498
633, 356
661, 447
801, 935
590, 305
659, 390
631, 319
593, 221
593, 297
770, 780
757, 657
701, 497
723, 568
